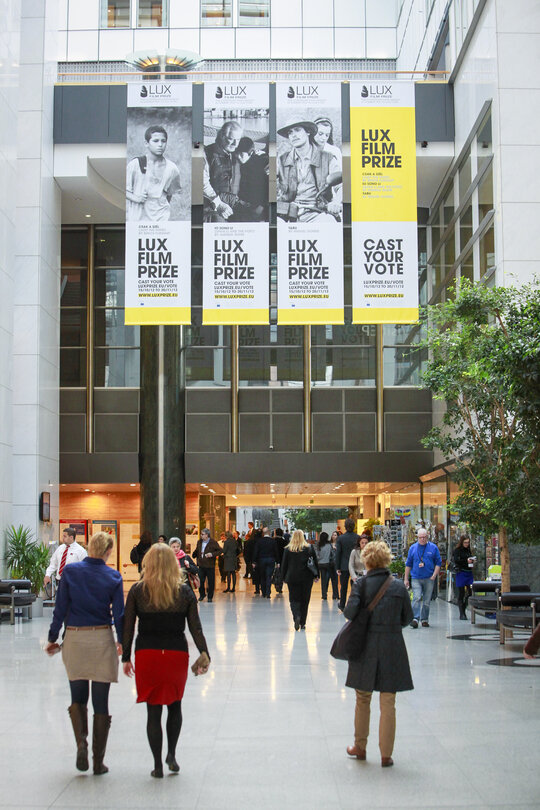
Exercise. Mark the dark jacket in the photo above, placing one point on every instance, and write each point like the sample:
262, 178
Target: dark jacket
249, 544
212, 548
187, 564
460, 558
344, 545
384, 666
230, 555
294, 566
137, 554
265, 549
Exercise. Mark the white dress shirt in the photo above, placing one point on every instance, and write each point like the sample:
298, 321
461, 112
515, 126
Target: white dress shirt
76, 553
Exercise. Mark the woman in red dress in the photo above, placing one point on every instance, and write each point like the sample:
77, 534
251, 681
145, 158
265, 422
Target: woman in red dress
162, 602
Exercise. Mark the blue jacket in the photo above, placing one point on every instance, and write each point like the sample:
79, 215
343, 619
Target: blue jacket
428, 554
85, 595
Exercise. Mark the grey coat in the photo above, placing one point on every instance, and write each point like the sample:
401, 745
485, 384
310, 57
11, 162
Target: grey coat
384, 666
229, 555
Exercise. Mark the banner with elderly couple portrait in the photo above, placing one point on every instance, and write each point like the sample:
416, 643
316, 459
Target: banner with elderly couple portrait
158, 203
236, 203
309, 193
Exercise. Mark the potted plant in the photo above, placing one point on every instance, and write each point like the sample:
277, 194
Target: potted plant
27, 559
397, 567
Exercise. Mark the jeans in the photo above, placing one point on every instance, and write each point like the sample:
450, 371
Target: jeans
422, 590
328, 574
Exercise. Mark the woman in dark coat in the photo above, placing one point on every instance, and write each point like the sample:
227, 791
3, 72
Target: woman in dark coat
384, 665
230, 561
298, 577
463, 563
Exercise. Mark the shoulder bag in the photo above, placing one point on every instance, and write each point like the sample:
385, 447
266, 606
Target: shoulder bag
312, 566
351, 640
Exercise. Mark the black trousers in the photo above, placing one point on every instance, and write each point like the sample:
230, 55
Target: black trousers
266, 569
299, 596
343, 585
207, 574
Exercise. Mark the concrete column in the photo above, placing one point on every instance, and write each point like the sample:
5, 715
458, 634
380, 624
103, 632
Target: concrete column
161, 443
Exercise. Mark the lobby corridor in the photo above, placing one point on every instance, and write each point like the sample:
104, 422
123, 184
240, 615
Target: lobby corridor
268, 726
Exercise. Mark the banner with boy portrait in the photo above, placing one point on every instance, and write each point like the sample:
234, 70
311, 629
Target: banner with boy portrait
236, 203
309, 203
158, 203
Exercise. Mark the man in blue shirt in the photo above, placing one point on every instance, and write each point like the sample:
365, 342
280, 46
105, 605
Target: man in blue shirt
422, 566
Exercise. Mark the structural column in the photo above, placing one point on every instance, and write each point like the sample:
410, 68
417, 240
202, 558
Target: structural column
161, 432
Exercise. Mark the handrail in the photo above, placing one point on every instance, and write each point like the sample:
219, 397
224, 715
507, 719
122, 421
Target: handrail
142, 74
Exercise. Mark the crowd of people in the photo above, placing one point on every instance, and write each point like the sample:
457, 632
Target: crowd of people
90, 601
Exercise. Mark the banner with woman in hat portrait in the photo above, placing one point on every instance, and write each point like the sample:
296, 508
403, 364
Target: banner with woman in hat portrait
309, 203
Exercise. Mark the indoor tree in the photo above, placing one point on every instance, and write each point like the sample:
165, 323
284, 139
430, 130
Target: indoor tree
484, 354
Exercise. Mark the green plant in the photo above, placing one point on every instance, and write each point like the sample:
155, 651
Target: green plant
397, 566
26, 558
370, 523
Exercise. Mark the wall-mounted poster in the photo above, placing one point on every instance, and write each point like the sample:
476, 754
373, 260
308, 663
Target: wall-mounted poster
109, 527
383, 197
309, 203
81, 530
158, 203
236, 203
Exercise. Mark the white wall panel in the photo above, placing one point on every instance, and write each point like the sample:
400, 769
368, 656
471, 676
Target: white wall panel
252, 43
381, 13
318, 13
318, 43
287, 43
61, 45
350, 43
348, 14
286, 13
380, 43
515, 127
217, 44
151, 38
31, 52
519, 60
82, 46
115, 44
188, 38
83, 14
184, 13
518, 16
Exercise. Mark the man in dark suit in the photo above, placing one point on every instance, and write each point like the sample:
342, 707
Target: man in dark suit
206, 553
344, 546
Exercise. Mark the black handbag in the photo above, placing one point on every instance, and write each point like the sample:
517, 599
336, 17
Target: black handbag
312, 566
350, 641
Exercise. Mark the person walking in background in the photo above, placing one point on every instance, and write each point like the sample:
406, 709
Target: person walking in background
463, 560
384, 665
298, 577
137, 552
325, 558
68, 552
277, 577
249, 542
206, 553
344, 545
256, 575
423, 566
265, 558
88, 591
185, 562
230, 558
356, 566
162, 602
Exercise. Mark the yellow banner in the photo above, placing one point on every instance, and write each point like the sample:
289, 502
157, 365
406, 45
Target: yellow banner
235, 317
383, 203
156, 316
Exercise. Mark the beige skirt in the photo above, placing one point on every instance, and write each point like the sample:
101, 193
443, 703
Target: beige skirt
90, 655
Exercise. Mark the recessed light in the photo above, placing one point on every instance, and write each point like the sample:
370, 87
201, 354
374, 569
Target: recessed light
87, 490
88, 216
133, 485
235, 498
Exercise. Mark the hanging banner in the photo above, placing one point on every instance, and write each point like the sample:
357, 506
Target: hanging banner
235, 213
158, 203
309, 203
383, 197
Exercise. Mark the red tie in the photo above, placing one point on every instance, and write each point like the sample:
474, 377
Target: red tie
63, 561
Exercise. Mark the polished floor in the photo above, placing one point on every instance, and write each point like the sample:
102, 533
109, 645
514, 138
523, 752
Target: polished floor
268, 726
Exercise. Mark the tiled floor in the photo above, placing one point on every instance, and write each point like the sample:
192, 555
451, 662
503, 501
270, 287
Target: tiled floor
268, 726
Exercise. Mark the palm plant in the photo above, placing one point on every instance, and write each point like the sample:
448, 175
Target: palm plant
26, 558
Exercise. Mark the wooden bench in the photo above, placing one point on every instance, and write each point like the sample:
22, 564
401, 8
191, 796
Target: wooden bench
16, 593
